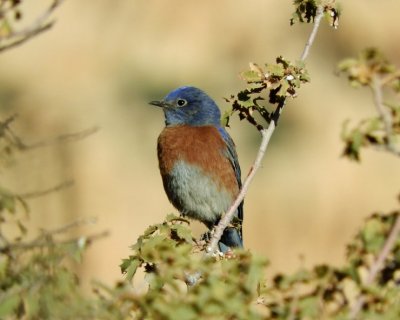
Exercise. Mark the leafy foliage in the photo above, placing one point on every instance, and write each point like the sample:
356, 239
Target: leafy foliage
370, 63
372, 69
306, 11
233, 286
277, 81
330, 292
280, 80
36, 280
169, 256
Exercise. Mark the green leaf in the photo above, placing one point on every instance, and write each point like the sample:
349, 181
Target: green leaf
5, 27
7, 202
251, 76
373, 235
247, 103
8, 305
154, 247
373, 125
75, 249
183, 233
171, 217
130, 266
309, 307
357, 140
284, 62
150, 230
4, 265
346, 64
283, 90
31, 305
276, 70
226, 117
22, 227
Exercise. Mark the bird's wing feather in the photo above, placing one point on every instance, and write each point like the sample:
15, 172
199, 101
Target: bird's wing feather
233, 158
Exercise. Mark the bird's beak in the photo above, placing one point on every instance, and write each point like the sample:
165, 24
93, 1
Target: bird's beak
160, 104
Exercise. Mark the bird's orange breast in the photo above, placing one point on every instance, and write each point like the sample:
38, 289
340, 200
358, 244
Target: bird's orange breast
200, 146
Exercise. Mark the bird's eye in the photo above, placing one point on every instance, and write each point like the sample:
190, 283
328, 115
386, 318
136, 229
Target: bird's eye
181, 102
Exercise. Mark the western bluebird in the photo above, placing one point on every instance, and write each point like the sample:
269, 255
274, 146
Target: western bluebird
198, 161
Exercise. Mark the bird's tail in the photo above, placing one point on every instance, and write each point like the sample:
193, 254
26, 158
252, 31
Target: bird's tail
231, 238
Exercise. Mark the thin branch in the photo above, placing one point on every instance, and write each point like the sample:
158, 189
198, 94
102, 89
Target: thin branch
65, 138
45, 243
378, 265
385, 148
27, 36
313, 34
378, 100
384, 113
226, 219
390, 77
37, 27
60, 139
42, 239
72, 225
41, 193
266, 136
5, 124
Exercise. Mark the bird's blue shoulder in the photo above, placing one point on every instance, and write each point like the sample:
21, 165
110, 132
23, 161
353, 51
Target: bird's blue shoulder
233, 158
231, 153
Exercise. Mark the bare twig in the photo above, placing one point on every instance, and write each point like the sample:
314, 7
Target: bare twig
377, 266
384, 113
27, 36
41, 193
60, 139
40, 25
294, 304
4, 124
226, 219
65, 138
391, 77
42, 243
378, 100
266, 136
69, 226
313, 34
42, 239
385, 148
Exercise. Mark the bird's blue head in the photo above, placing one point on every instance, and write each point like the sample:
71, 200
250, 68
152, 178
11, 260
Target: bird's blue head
189, 106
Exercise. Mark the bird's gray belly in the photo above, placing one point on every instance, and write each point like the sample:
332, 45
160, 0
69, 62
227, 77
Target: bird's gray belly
195, 194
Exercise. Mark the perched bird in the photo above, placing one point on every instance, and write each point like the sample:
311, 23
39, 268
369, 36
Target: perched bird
198, 161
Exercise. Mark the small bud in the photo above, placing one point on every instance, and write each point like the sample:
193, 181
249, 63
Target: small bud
82, 242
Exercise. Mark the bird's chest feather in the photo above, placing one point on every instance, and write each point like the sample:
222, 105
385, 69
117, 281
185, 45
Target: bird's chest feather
194, 166
201, 147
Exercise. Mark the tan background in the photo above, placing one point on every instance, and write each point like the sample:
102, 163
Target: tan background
103, 61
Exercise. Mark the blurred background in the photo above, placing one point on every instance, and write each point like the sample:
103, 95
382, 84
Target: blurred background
104, 60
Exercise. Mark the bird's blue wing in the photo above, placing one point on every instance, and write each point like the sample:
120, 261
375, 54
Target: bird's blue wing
233, 158
231, 154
